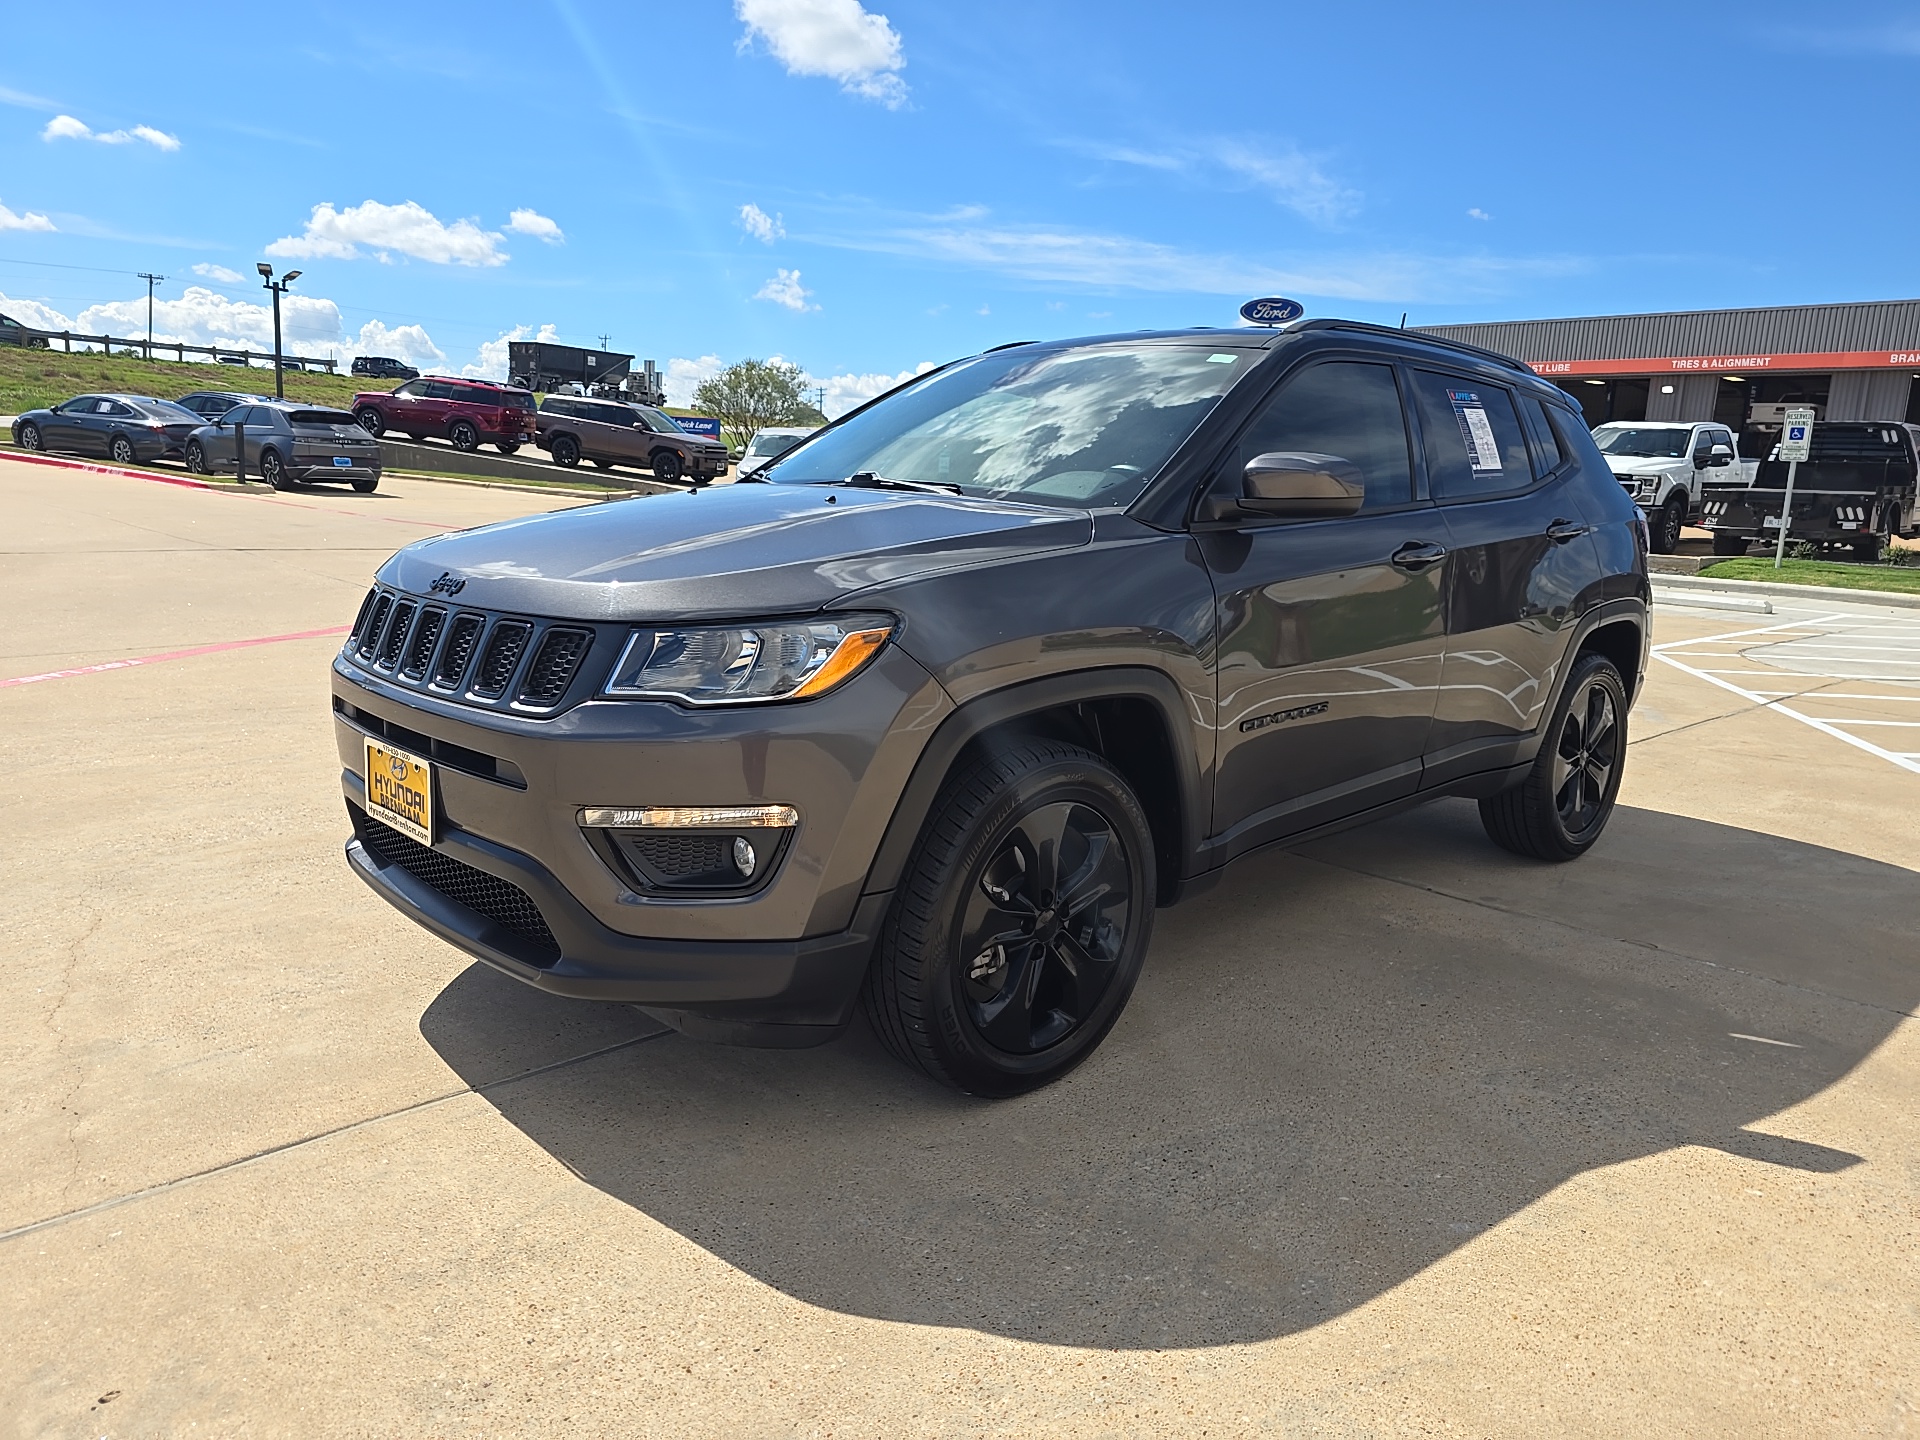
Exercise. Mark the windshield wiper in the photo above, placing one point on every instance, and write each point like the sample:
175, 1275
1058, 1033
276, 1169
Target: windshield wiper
867, 480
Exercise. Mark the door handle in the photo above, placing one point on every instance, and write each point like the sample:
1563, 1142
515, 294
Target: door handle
1561, 531
1418, 554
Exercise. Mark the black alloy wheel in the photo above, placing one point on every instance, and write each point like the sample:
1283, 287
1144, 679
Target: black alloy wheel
30, 436
1663, 535
1560, 809
667, 465
1021, 924
464, 437
566, 451
273, 470
370, 421
196, 458
121, 449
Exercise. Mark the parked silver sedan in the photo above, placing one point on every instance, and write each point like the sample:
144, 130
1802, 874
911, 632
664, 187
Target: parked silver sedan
288, 445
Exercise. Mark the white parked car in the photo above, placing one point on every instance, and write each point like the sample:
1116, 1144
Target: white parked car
769, 445
1664, 465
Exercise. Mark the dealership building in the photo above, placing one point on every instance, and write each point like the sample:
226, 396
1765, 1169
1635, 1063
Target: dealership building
1739, 367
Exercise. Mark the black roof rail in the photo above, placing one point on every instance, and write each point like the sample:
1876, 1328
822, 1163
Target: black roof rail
1422, 336
1009, 345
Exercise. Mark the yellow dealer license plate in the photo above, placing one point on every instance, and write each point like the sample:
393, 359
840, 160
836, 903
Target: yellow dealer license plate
400, 791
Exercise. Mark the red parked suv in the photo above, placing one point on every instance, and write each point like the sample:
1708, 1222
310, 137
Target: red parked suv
470, 413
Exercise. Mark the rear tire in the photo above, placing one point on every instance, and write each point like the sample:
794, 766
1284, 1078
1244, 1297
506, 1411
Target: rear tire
1725, 542
1021, 924
1663, 533
463, 437
566, 451
120, 450
666, 465
604, 464
370, 421
1561, 808
273, 470
368, 485
30, 437
507, 447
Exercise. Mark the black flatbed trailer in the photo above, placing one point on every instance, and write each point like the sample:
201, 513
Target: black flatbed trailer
1857, 489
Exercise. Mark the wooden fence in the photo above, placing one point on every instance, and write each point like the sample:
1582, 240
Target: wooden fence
147, 348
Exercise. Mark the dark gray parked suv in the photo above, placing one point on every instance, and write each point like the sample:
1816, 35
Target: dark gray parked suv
990, 669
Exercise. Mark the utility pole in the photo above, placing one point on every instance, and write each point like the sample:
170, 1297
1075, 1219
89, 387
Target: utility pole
279, 289
151, 280
603, 341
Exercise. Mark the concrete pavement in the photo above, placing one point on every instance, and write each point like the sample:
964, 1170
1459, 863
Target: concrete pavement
1398, 1134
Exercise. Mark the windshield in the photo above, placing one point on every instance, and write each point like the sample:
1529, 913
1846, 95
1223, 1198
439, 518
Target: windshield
169, 411
1665, 443
657, 420
765, 445
1085, 426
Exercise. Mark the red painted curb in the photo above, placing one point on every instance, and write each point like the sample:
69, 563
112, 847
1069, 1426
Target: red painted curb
30, 457
214, 649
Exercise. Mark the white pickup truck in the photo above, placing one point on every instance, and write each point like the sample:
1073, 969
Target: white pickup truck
1665, 464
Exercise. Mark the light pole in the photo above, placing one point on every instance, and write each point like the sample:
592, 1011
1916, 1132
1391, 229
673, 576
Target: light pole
151, 280
278, 288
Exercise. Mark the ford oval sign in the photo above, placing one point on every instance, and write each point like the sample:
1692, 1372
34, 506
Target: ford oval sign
1272, 310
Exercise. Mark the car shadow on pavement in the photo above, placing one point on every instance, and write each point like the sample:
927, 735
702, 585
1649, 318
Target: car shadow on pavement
1341, 1066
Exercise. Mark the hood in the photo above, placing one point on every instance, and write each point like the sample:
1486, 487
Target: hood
722, 553
1641, 464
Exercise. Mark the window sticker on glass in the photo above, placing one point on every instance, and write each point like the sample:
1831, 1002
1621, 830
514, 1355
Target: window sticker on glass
1483, 451
1221, 359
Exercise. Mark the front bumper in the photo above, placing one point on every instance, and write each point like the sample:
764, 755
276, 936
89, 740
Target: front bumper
781, 993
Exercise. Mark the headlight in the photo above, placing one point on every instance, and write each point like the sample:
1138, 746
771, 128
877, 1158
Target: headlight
741, 664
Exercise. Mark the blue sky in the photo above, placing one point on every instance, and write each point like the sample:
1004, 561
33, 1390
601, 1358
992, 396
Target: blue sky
863, 191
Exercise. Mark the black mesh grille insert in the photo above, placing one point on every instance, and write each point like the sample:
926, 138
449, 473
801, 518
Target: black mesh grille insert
553, 667
458, 652
425, 635
500, 901
360, 620
679, 855
502, 655
396, 640
370, 637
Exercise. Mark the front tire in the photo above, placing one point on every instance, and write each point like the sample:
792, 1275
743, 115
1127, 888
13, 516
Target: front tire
1560, 809
1022, 922
30, 437
666, 465
1663, 535
370, 421
507, 447
121, 450
464, 437
196, 459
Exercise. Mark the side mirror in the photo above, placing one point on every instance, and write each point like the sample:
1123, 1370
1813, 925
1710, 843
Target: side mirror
1301, 485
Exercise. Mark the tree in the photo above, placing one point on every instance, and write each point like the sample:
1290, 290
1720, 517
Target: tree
753, 394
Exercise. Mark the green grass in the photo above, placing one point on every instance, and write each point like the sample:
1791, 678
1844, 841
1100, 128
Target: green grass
1904, 579
30, 379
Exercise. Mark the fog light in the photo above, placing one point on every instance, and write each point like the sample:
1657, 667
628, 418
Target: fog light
744, 860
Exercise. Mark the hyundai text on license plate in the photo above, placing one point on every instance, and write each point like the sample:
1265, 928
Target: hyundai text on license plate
400, 791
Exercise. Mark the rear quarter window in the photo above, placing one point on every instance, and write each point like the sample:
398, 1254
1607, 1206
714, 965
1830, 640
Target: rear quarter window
1472, 436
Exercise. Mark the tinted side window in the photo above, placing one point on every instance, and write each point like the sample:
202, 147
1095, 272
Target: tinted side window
1472, 435
1546, 449
1341, 408
436, 390
610, 414
412, 387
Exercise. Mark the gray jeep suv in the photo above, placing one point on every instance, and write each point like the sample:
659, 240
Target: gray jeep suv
933, 720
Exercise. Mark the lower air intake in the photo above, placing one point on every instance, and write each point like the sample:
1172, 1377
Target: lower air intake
500, 901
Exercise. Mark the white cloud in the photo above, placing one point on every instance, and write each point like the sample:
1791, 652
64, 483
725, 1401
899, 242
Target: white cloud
32, 312
66, 127
839, 39
844, 392
785, 289
219, 273
401, 342
1476, 213
408, 228
1291, 177
491, 362
683, 377
532, 222
31, 220
761, 226
1125, 262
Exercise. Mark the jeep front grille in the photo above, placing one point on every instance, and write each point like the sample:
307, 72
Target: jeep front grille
505, 662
